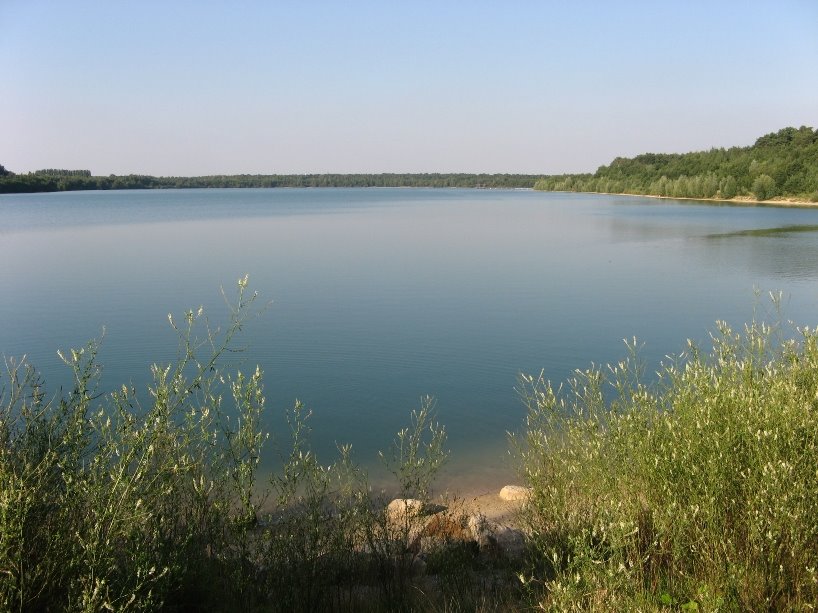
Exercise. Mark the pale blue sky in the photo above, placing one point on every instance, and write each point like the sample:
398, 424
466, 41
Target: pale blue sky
192, 88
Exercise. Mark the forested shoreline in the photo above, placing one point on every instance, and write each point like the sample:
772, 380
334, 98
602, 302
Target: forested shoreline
53, 180
782, 164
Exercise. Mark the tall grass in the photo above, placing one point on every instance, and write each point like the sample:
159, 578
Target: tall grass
698, 491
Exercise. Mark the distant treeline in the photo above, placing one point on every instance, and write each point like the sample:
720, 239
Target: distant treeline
61, 172
71, 180
783, 163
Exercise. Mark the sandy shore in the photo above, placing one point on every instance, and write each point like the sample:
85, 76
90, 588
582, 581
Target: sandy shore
485, 502
739, 201
489, 504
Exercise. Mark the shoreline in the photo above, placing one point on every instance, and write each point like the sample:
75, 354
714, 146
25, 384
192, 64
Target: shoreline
743, 201
487, 504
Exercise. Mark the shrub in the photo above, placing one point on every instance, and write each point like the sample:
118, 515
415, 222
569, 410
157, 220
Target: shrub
105, 503
697, 489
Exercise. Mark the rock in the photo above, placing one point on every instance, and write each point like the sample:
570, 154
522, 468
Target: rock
440, 531
445, 528
480, 530
515, 492
510, 541
431, 508
408, 520
403, 511
495, 539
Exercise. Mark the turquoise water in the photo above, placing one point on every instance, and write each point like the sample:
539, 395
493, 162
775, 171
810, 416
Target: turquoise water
381, 296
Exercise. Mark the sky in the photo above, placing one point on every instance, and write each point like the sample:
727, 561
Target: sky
195, 88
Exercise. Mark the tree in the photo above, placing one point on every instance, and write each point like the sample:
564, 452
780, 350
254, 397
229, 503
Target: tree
728, 188
764, 187
709, 185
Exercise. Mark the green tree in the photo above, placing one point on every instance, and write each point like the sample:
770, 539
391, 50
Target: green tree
728, 187
709, 185
764, 187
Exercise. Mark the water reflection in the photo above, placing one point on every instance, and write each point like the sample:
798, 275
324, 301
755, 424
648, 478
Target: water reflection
765, 232
778, 252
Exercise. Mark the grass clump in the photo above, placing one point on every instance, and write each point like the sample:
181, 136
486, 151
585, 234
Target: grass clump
696, 492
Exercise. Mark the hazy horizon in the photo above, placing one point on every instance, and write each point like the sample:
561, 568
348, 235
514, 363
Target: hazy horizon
201, 88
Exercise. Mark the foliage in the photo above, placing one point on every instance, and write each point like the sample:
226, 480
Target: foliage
697, 492
60, 172
783, 163
764, 187
55, 180
417, 453
106, 504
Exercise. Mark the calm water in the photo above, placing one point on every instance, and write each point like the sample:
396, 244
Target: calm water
380, 296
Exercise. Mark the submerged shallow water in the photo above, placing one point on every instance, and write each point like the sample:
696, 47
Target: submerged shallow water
381, 296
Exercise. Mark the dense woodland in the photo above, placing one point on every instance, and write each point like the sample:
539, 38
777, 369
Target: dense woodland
781, 164
70, 180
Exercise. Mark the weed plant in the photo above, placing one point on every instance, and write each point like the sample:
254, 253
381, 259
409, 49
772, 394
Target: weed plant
696, 492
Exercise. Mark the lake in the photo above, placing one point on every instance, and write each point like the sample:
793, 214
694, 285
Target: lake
381, 296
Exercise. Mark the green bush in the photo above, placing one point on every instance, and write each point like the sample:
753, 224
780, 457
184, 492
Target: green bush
106, 504
698, 490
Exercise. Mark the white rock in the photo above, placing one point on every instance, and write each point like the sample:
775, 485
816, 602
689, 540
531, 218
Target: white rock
403, 510
481, 531
515, 492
